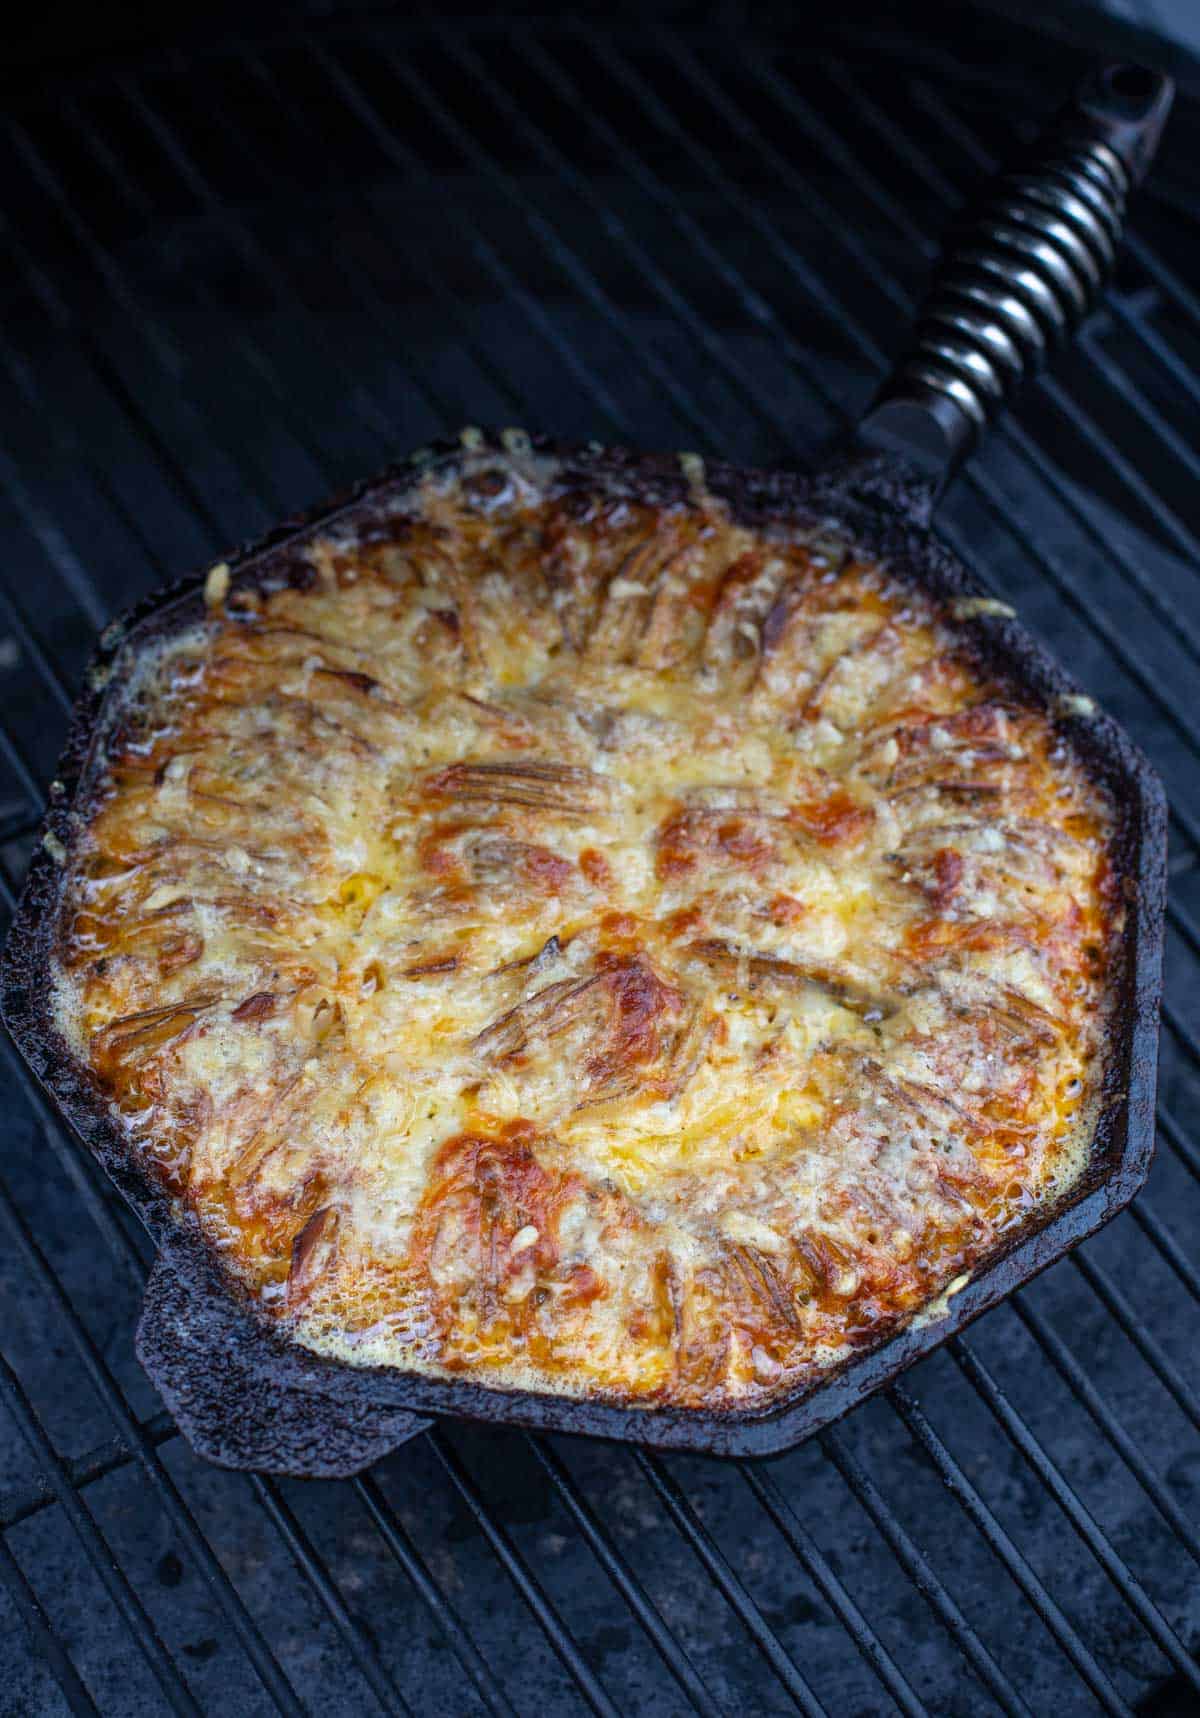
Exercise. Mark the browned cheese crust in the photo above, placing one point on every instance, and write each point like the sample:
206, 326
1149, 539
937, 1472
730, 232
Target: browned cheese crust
591, 946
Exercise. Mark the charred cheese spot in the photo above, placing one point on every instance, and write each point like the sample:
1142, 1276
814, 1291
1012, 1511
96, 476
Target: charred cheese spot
588, 944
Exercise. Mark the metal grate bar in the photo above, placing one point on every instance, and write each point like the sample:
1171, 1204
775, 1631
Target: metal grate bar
253, 353
1080, 1517
225, 1595
721, 1572
361, 1648
29, 1608
216, 533
1180, 1030
74, 574
23, 829
46, 668
522, 1577
255, 255
561, 253
259, 259
442, 1611
16, 1506
921, 1573
81, 1169
136, 317
81, 458
622, 1578
160, 345
55, 548
1178, 1140
752, 303
1166, 1245
1186, 926
805, 1548
1175, 200
1151, 1350
363, 292
161, 1427
653, 105
1073, 1374
18, 1503
95, 1548
672, 298
403, 158
47, 533
20, 769
409, 258
106, 1208
1188, 825
48, 537
1170, 285
981, 1517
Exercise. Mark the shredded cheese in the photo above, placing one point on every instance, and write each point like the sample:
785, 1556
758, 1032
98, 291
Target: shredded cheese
588, 944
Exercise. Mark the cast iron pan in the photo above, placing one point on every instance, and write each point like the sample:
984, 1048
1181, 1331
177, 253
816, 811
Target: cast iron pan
1022, 274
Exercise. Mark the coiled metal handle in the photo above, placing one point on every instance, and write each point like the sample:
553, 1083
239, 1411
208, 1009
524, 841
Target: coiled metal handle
1021, 272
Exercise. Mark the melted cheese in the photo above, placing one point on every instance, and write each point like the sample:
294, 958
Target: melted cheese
586, 945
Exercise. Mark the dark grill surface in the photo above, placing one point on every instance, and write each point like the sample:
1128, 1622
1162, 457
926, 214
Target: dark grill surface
236, 277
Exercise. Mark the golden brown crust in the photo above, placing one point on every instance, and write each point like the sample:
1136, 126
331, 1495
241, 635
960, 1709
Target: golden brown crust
592, 946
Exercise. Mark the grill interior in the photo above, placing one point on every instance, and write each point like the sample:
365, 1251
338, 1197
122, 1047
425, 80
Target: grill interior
241, 274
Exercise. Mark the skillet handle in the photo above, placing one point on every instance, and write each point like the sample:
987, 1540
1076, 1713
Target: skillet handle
1020, 273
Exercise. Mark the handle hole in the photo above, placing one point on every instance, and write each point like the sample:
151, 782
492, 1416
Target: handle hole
1135, 87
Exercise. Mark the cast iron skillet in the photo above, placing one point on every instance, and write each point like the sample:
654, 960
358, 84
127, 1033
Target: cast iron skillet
1023, 273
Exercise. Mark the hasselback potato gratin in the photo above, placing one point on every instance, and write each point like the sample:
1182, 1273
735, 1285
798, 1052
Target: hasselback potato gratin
549, 931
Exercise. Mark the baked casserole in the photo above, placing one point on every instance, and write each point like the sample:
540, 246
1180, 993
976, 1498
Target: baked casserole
570, 937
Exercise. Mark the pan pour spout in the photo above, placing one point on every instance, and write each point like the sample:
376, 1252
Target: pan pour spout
1020, 273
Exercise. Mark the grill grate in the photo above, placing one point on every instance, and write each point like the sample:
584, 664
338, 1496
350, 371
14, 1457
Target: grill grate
240, 277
